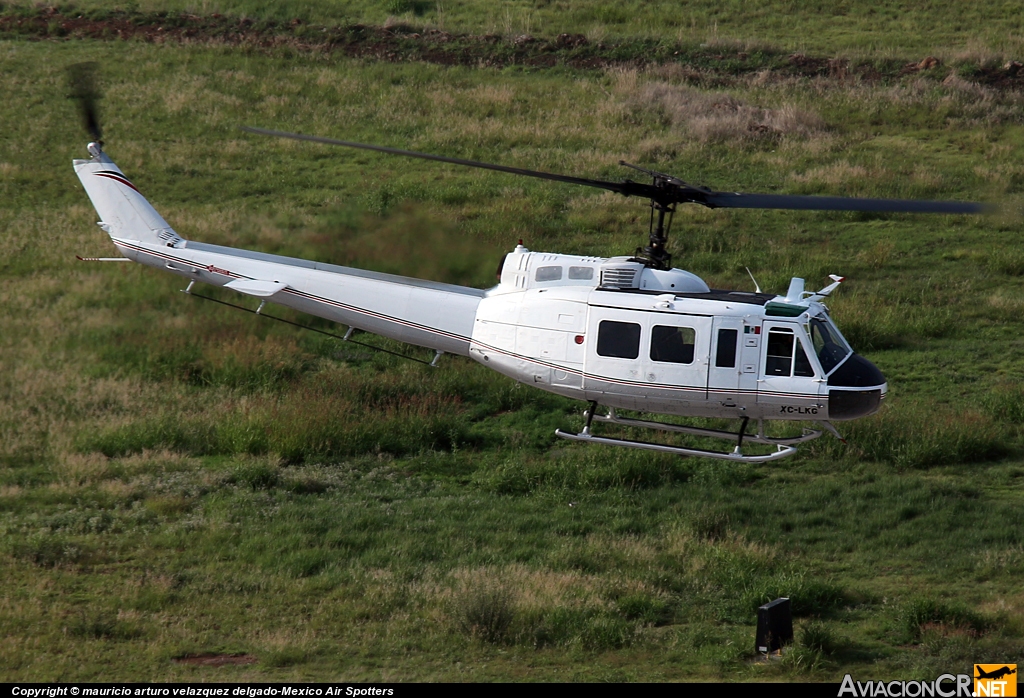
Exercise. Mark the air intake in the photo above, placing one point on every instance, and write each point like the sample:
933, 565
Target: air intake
619, 272
618, 277
169, 237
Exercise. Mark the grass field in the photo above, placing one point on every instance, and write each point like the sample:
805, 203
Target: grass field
890, 28
178, 479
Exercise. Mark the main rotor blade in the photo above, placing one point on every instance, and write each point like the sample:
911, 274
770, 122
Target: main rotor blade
619, 187
668, 190
838, 203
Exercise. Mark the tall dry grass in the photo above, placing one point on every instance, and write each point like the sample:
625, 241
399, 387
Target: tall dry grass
722, 118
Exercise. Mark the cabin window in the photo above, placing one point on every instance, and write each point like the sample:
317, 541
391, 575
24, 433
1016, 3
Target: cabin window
583, 273
620, 340
801, 364
725, 354
780, 352
548, 274
672, 344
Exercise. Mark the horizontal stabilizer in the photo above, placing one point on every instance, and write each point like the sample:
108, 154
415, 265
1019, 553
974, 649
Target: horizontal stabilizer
256, 287
836, 280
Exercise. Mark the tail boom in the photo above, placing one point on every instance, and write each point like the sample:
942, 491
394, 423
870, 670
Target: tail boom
429, 314
425, 313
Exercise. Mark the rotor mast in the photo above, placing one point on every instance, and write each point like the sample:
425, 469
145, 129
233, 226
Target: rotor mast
663, 208
654, 254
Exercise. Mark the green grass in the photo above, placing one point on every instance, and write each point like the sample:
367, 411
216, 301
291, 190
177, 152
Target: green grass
888, 29
180, 479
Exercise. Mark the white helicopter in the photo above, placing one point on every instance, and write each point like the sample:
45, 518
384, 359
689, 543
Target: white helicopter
625, 332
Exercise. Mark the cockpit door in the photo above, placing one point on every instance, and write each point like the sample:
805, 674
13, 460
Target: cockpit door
790, 384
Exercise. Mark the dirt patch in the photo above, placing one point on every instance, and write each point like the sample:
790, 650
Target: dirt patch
396, 42
715, 65
215, 659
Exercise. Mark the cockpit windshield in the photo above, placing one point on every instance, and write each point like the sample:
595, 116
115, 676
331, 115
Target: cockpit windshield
829, 345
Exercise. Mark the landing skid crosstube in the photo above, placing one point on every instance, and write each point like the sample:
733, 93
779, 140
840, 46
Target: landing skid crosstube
785, 446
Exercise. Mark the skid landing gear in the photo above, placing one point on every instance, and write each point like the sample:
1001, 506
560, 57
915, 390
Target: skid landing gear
784, 447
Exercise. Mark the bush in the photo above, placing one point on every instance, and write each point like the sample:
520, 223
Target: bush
485, 612
914, 616
588, 628
819, 637
258, 476
288, 656
416, 7
103, 626
808, 597
817, 596
1006, 404
645, 608
590, 469
1009, 262
49, 551
709, 525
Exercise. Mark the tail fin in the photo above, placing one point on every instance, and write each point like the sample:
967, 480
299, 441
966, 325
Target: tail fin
124, 212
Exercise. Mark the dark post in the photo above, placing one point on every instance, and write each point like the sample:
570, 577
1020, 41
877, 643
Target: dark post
774, 625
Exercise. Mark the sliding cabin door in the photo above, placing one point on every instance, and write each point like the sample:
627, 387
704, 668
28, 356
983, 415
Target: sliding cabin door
647, 361
675, 362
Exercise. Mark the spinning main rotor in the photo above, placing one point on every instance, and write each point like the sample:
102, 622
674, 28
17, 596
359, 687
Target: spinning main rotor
665, 191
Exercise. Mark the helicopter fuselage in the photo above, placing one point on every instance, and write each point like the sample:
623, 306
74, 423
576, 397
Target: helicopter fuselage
614, 332
623, 335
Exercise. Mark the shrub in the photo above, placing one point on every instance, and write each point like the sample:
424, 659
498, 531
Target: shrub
49, 551
588, 628
485, 612
258, 476
819, 637
709, 525
713, 117
918, 436
103, 626
649, 610
913, 616
1006, 404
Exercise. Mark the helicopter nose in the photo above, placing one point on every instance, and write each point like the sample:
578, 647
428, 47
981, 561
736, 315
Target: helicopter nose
856, 389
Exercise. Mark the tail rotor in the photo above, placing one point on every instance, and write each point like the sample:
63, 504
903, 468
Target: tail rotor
82, 86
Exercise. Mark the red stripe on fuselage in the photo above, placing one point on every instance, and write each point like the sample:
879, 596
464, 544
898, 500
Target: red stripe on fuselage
118, 179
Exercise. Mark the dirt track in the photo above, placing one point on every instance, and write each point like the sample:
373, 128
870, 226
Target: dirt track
398, 43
